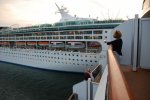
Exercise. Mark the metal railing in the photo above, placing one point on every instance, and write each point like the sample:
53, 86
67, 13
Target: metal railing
117, 86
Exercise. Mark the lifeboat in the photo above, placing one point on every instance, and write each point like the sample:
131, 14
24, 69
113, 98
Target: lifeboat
1, 43
75, 45
20, 43
31, 43
57, 44
93, 44
4, 43
41, 43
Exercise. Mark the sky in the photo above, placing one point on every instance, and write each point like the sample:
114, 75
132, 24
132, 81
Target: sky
17, 13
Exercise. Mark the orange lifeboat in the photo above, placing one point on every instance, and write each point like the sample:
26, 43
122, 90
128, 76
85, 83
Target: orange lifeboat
1, 43
20, 43
5, 43
31, 43
43, 43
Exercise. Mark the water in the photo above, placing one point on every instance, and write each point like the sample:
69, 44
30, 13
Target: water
25, 83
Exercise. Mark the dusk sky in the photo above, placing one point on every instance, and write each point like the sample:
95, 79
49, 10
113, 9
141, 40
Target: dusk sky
31, 12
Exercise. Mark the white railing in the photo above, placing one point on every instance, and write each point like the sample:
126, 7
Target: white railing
54, 37
86, 90
101, 91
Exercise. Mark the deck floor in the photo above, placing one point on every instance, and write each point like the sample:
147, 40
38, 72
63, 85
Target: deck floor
138, 81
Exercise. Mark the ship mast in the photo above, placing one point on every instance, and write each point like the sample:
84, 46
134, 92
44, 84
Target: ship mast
64, 14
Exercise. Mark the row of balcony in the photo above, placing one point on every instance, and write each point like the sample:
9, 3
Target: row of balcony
50, 37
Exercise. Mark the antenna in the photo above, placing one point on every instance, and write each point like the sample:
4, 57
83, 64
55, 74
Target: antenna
57, 6
108, 15
103, 15
117, 14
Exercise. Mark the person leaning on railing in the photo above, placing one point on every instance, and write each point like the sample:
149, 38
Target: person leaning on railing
116, 44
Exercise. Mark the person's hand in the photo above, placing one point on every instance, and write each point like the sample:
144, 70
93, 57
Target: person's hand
105, 41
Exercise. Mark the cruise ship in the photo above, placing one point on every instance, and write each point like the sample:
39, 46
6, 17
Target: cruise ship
73, 44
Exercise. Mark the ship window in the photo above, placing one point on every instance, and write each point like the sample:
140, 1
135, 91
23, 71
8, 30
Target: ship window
79, 37
99, 37
98, 32
105, 31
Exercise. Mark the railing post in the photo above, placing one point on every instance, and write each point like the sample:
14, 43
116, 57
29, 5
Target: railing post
89, 88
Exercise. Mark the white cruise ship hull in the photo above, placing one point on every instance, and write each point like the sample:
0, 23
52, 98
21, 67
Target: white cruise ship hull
52, 60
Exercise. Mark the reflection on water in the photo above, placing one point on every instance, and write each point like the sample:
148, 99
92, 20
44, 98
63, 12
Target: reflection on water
25, 83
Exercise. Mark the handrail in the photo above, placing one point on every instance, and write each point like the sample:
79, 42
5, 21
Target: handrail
117, 87
97, 73
73, 96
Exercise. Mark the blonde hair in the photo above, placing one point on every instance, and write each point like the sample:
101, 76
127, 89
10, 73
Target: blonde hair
117, 34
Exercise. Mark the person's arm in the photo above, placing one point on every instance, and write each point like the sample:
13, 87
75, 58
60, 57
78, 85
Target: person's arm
108, 43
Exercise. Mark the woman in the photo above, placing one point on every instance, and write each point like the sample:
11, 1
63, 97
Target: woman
116, 44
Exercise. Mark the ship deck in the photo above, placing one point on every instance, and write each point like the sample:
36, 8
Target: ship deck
138, 81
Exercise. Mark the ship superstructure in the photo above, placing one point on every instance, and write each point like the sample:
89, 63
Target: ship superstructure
72, 44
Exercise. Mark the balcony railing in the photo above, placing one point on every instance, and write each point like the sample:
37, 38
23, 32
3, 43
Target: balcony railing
116, 87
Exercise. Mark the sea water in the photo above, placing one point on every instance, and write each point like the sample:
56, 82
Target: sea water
25, 83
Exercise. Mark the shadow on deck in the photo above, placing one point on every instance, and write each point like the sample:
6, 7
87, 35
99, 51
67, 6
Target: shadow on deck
138, 81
